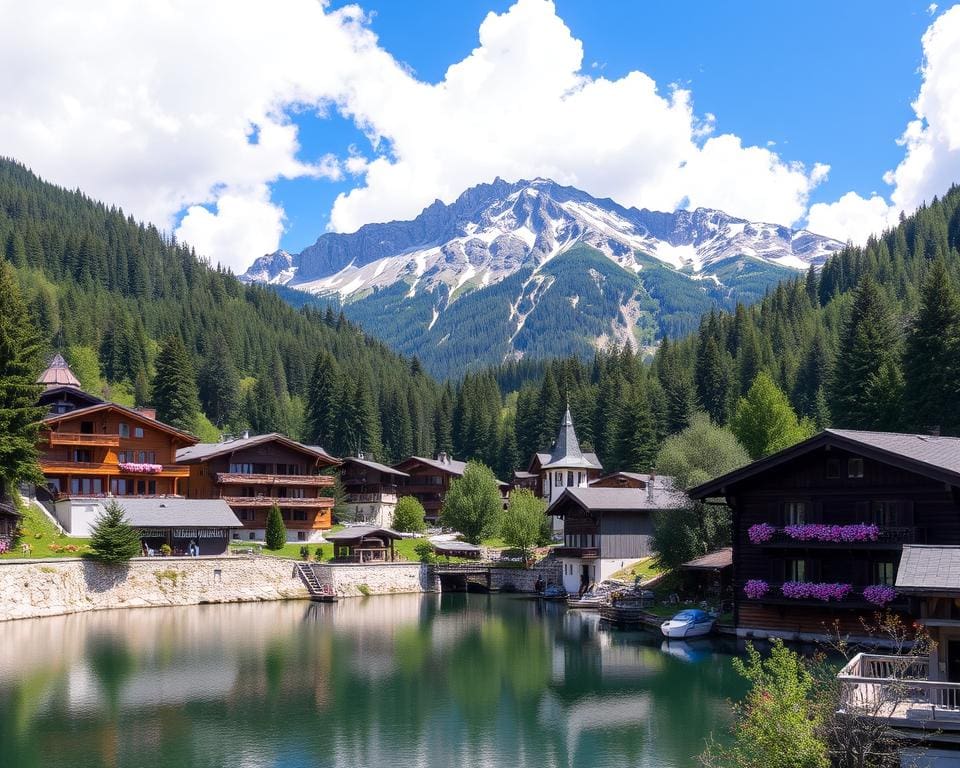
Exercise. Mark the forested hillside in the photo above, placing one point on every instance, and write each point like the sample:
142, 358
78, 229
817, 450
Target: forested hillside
108, 291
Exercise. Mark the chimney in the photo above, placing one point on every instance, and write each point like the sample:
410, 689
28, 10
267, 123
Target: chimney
653, 477
360, 455
246, 434
443, 458
150, 413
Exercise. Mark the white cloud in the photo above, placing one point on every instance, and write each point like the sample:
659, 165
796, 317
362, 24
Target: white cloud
520, 106
171, 106
932, 141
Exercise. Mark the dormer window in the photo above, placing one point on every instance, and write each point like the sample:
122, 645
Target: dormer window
855, 468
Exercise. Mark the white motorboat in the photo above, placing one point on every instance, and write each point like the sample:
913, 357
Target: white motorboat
689, 623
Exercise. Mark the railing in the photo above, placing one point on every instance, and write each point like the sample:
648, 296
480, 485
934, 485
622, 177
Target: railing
174, 470
584, 552
237, 478
366, 498
82, 438
895, 687
269, 501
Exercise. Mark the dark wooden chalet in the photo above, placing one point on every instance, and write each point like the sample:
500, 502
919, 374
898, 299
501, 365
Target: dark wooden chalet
622, 480
363, 544
371, 490
818, 528
429, 480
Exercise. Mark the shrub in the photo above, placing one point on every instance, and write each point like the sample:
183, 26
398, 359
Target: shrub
523, 521
363, 589
305, 552
319, 554
409, 516
165, 550
425, 552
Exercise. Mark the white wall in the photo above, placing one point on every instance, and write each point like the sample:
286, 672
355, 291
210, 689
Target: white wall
601, 569
76, 519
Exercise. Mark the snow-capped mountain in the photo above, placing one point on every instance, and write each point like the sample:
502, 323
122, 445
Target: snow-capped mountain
495, 235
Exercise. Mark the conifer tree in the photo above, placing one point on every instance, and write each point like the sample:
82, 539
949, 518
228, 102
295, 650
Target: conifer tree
637, 438
713, 380
764, 422
112, 539
443, 422
19, 365
324, 401
175, 386
932, 355
863, 392
276, 532
220, 385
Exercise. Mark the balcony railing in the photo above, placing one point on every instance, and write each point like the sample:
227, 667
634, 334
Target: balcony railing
581, 552
240, 478
898, 688
371, 498
98, 467
269, 501
80, 438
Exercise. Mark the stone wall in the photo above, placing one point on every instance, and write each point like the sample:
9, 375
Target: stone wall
35, 588
349, 580
523, 580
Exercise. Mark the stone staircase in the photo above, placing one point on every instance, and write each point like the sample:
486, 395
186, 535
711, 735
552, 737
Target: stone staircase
317, 590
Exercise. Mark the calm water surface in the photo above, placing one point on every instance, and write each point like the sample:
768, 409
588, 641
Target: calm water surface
406, 680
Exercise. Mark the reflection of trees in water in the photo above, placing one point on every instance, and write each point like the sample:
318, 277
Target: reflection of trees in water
392, 681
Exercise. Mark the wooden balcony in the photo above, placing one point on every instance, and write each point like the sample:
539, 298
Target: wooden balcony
889, 537
83, 439
371, 498
584, 553
853, 600
898, 690
311, 481
57, 467
268, 501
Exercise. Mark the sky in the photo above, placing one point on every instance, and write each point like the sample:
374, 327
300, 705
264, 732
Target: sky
242, 126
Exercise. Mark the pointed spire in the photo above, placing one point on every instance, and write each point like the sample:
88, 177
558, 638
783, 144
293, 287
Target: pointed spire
566, 448
58, 374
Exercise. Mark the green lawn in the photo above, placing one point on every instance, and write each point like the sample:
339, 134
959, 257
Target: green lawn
290, 551
645, 569
40, 534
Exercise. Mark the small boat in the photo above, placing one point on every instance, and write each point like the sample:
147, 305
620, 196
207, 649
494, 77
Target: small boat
689, 623
554, 592
589, 601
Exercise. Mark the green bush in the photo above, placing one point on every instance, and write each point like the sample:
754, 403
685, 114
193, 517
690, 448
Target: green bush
305, 552
425, 552
276, 535
409, 515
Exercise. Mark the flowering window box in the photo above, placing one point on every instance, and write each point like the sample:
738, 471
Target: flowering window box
141, 469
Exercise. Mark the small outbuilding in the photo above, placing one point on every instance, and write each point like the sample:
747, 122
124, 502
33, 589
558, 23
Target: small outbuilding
363, 544
457, 549
711, 575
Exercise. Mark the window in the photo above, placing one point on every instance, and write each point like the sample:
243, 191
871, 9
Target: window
300, 514
570, 479
855, 468
884, 572
833, 469
252, 536
294, 493
885, 513
86, 427
83, 455
138, 432
241, 469
301, 535
579, 478
88, 486
123, 429
796, 570
235, 535
118, 487
558, 479
794, 512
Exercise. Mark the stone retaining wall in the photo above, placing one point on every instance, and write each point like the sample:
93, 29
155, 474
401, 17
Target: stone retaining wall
522, 580
349, 580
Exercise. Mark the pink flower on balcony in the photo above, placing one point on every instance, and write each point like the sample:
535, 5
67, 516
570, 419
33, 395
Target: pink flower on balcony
760, 533
143, 469
756, 588
879, 594
804, 590
835, 533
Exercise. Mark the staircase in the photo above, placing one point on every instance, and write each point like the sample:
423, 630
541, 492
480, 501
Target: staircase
318, 591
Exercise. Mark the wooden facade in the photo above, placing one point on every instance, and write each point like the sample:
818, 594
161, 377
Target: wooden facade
108, 449
253, 474
428, 480
371, 490
830, 480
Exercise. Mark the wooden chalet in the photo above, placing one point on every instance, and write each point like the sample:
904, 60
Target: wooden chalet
709, 576
9, 522
623, 480
606, 529
371, 490
429, 480
363, 544
819, 528
107, 450
252, 474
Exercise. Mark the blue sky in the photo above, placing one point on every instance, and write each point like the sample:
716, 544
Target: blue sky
830, 115
827, 82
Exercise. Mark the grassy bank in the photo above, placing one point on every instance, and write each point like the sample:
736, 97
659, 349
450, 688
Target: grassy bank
42, 537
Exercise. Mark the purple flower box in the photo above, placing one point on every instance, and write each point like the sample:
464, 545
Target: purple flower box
760, 533
879, 594
837, 533
804, 590
756, 588
147, 469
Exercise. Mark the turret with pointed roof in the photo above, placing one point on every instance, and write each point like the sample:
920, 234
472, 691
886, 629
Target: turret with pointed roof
58, 374
566, 448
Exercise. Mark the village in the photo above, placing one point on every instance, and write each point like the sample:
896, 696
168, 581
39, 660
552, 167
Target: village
825, 534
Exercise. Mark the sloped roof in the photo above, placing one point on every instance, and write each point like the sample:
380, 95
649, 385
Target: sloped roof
173, 512
451, 466
455, 546
721, 558
58, 374
357, 532
566, 451
620, 499
204, 451
374, 465
935, 457
929, 569
131, 413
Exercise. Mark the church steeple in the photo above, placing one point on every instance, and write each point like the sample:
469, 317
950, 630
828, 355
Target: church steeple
566, 448
58, 374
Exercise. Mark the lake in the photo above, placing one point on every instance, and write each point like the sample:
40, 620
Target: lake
403, 680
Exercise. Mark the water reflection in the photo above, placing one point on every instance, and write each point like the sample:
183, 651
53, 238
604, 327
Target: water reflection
401, 680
